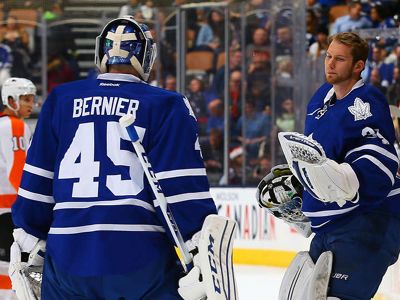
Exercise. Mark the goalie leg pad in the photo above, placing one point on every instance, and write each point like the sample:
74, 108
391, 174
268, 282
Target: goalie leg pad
304, 280
215, 254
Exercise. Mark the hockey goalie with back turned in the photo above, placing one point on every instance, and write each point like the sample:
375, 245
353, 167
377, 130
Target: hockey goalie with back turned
85, 206
340, 183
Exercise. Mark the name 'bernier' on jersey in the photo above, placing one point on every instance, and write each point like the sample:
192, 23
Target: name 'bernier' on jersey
84, 190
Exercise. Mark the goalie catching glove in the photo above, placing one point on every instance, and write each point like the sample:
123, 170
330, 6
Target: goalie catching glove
323, 178
212, 276
281, 194
26, 278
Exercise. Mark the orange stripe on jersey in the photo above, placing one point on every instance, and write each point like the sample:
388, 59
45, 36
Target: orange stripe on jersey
5, 282
7, 200
18, 129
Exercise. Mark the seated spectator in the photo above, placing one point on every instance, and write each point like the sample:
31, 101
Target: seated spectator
260, 43
147, 10
285, 119
258, 80
216, 119
235, 61
131, 8
170, 83
236, 167
198, 104
213, 155
257, 129
235, 95
319, 48
262, 169
393, 91
17, 38
385, 70
381, 19
375, 80
354, 20
58, 71
311, 27
284, 42
6, 61
211, 35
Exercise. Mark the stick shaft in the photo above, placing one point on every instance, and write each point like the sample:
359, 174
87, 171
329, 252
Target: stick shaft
157, 190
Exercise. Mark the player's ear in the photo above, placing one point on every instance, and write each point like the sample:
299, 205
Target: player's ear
11, 102
359, 66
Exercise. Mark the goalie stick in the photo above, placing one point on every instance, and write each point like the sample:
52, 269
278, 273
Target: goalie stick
127, 121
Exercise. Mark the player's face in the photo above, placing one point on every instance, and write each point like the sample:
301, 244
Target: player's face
26, 104
338, 63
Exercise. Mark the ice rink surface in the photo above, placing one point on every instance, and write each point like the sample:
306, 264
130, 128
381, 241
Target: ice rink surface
258, 282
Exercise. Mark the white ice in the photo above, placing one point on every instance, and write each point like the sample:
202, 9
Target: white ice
258, 282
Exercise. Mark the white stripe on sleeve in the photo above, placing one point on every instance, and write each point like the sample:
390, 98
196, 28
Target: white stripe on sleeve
83, 205
106, 227
34, 196
375, 148
181, 173
38, 171
379, 165
186, 197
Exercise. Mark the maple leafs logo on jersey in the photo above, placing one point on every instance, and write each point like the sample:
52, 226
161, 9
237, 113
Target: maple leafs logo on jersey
360, 110
191, 112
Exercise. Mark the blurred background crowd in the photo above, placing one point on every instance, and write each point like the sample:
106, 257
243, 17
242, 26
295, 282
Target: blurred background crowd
243, 65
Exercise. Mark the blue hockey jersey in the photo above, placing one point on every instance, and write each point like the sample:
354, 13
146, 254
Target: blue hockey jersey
84, 189
358, 130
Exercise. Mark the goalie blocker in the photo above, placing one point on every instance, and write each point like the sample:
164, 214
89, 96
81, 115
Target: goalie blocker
212, 276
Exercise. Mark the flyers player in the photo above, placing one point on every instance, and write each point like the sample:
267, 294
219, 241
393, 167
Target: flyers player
18, 100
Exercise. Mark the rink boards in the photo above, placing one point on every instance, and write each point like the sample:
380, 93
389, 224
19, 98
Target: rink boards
262, 239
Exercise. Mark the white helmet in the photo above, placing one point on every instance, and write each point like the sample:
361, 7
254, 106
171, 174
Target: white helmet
15, 87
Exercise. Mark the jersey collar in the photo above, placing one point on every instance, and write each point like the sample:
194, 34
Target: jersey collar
328, 96
120, 77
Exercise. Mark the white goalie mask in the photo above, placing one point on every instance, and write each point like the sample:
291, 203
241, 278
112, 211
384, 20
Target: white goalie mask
124, 41
16, 87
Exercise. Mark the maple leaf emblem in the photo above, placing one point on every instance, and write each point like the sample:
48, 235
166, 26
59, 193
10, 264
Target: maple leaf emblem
360, 110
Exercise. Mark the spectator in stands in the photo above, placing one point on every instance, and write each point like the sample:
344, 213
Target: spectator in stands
213, 155
235, 95
147, 10
376, 81
381, 19
257, 129
311, 27
319, 48
284, 43
393, 91
258, 80
198, 104
216, 119
262, 169
317, 9
58, 71
211, 35
17, 38
131, 8
385, 70
260, 43
354, 20
170, 26
170, 83
285, 118
235, 61
236, 167
6, 62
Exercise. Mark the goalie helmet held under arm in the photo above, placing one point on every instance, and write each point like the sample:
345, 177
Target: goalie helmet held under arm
124, 41
16, 87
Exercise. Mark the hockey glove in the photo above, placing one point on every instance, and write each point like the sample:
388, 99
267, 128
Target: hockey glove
323, 178
26, 278
280, 193
212, 275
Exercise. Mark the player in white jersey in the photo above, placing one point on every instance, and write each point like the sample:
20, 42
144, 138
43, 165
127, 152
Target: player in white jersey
18, 101
347, 164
